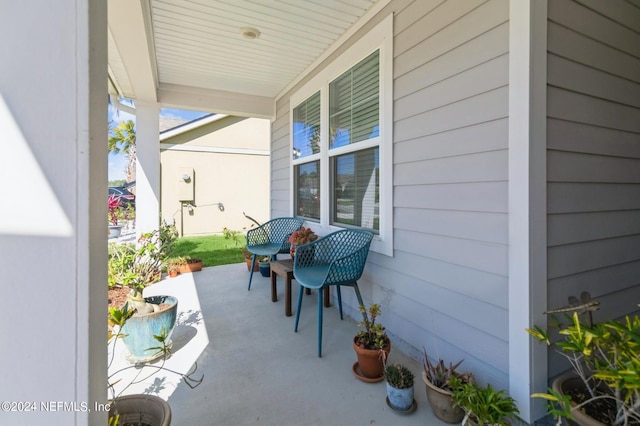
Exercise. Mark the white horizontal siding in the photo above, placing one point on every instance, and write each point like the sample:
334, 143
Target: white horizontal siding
593, 156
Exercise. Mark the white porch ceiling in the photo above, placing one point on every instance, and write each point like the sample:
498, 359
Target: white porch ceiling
191, 54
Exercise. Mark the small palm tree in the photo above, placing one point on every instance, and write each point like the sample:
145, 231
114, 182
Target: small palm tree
123, 139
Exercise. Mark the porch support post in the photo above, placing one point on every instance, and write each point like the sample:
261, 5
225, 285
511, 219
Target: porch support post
527, 202
53, 228
147, 167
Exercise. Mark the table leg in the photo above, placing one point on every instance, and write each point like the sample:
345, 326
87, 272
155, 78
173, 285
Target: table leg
326, 297
287, 296
274, 295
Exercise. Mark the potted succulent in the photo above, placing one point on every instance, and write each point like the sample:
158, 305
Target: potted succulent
299, 237
603, 387
372, 346
483, 406
437, 380
399, 387
115, 212
174, 264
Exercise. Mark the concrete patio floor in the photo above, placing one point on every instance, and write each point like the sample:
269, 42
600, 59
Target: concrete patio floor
258, 371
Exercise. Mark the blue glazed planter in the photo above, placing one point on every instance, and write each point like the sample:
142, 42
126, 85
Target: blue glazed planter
140, 329
265, 269
400, 399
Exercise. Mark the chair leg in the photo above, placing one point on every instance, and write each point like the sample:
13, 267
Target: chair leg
295, 327
339, 301
359, 297
320, 309
253, 263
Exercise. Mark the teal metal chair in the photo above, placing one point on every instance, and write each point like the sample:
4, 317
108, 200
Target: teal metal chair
337, 259
270, 239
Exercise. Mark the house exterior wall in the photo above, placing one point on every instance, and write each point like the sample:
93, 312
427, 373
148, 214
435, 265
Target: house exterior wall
593, 156
237, 178
446, 286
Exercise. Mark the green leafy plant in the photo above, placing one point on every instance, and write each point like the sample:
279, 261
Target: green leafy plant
483, 405
374, 335
137, 266
398, 376
117, 319
605, 357
440, 375
230, 234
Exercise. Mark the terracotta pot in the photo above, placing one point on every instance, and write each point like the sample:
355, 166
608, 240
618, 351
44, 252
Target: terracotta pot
442, 403
256, 267
173, 274
568, 381
191, 267
370, 361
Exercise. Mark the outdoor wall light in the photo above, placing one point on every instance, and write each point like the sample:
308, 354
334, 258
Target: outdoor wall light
221, 207
186, 177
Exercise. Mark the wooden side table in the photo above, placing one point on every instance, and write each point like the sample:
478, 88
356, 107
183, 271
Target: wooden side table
284, 268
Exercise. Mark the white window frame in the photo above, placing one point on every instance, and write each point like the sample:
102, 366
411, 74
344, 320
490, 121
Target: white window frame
379, 38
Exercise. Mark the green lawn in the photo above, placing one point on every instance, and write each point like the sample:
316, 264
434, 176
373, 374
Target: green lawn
214, 250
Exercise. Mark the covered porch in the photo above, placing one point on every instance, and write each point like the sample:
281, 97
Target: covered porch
257, 370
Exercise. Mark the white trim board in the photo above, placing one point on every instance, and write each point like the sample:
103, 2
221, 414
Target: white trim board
213, 149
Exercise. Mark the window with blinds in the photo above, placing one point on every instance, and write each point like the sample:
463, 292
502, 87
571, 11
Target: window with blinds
341, 132
354, 103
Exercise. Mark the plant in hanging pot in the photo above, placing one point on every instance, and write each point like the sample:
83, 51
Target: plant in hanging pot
372, 346
483, 406
437, 380
300, 237
399, 387
604, 386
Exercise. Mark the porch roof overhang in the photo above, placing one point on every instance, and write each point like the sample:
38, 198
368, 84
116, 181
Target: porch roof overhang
192, 54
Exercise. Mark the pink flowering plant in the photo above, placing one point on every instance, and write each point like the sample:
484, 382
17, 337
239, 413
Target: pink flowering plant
115, 209
302, 236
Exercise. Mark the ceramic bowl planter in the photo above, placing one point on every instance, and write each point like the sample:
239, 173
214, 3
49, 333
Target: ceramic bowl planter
562, 385
370, 364
442, 403
140, 329
148, 410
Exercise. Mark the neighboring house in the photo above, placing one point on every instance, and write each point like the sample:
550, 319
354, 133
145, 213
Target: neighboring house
227, 161
497, 159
